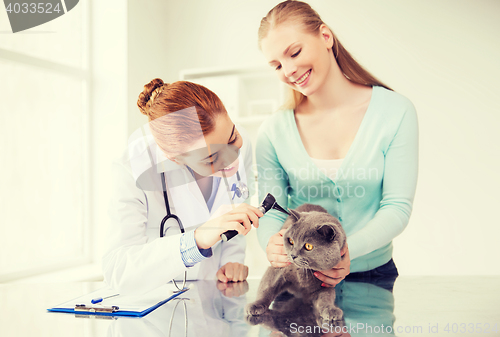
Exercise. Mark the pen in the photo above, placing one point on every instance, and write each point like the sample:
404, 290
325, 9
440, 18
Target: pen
100, 299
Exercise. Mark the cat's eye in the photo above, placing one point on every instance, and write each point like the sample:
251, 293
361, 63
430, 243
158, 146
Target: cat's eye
290, 241
308, 246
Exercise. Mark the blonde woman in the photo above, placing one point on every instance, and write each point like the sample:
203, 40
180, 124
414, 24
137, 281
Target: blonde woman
346, 142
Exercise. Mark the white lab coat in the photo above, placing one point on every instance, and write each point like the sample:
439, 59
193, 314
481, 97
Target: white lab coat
137, 259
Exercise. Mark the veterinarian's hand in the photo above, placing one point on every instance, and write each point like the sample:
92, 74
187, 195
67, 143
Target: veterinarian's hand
275, 250
240, 219
232, 272
233, 289
333, 276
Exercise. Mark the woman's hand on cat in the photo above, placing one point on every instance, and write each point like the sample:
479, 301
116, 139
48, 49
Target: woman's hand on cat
332, 277
275, 251
232, 272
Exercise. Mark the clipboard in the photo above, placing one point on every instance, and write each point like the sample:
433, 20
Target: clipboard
118, 306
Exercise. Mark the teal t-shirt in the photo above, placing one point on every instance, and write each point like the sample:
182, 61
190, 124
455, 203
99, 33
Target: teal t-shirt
373, 193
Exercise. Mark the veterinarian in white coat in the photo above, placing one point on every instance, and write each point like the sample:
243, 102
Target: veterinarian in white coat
138, 259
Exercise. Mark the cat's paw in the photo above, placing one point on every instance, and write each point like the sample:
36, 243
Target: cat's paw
255, 309
330, 316
254, 320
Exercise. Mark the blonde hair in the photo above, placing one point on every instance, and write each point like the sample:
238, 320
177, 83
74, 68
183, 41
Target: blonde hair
302, 13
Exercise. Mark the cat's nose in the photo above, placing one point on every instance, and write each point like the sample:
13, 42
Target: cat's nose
293, 256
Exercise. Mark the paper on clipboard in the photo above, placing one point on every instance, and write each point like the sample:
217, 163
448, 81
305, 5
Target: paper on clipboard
126, 303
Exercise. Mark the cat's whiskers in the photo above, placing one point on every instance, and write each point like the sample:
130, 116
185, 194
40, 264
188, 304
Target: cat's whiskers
308, 269
306, 272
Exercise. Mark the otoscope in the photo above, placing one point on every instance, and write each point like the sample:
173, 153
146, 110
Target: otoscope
268, 203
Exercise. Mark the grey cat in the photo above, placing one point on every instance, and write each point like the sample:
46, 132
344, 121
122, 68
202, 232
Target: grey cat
294, 317
313, 242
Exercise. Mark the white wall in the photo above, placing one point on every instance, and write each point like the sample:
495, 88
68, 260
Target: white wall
109, 107
440, 54
89, 45
168, 36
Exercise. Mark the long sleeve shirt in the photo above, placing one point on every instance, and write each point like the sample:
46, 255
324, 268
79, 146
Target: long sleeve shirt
373, 192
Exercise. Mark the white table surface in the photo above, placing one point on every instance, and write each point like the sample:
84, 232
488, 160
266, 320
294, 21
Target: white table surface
426, 302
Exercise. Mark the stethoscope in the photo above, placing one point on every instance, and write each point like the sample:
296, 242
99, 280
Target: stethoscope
185, 316
240, 190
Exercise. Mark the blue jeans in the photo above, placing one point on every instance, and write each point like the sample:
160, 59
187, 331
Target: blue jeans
383, 276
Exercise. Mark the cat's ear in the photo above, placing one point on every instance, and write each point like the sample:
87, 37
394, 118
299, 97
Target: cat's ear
328, 232
295, 214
